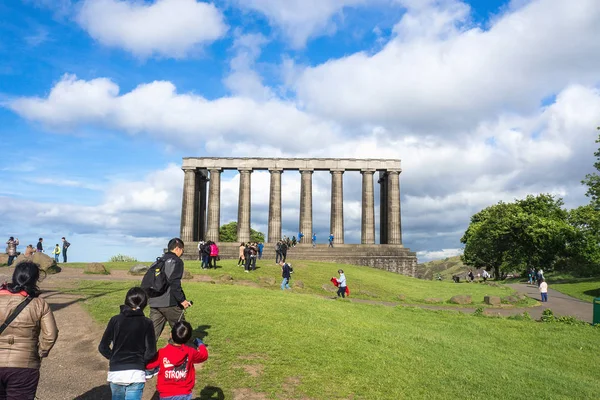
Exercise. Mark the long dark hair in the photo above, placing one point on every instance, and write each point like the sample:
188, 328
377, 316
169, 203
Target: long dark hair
25, 278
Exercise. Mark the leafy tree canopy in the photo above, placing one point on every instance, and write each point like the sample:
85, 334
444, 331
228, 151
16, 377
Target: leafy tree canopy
228, 233
592, 181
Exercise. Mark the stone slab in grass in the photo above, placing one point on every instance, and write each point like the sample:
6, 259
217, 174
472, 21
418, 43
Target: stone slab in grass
96, 269
492, 300
187, 275
510, 299
461, 299
298, 284
138, 269
226, 278
329, 288
432, 300
368, 294
401, 297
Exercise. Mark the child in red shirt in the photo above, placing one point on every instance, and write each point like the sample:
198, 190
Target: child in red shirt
177, 375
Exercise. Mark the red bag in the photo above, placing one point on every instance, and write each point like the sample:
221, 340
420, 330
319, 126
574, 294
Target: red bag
334, 281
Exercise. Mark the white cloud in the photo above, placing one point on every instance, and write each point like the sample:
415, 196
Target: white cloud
425, 256
300, 19
188, 119
167, 28
440, 75
243, 80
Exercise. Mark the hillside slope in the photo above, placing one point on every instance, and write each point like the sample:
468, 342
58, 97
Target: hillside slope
446, 268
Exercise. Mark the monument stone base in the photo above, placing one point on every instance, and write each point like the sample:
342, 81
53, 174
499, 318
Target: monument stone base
392, 258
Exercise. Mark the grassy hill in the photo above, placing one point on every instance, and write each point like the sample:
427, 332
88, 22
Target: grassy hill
446, 268
271, 344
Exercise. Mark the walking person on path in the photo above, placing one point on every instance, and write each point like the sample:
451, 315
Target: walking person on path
544, 290
28, 338
285, 274
341, 284
11, 249
65, 246
129, 344
169, 306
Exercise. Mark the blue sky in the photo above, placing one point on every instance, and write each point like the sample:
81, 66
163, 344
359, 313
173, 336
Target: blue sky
100, 99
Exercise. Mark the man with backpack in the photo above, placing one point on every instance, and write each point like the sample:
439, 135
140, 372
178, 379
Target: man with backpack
167, 301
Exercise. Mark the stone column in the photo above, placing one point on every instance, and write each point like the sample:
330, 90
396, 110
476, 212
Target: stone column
393, 209
200, 218
187, 205
306, 223
213, 219
337, 205
275, 206
243, 223
368, 208
383, 204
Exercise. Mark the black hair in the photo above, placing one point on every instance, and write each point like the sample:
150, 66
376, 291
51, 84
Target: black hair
242, 244
181, 332
340, 271
41, 239
11, 238
136, 297
175, 243
25, 278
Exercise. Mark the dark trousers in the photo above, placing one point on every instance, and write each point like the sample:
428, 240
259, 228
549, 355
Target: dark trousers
161, 315
278, 257
253, 262
341, 291
247, 264
18, 383
64, 254
10, 260
241, 261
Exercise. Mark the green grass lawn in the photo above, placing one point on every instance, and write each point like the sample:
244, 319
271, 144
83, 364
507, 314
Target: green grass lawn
309, 347
363, 282
585, 288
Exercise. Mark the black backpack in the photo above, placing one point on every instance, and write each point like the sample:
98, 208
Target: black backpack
155, 281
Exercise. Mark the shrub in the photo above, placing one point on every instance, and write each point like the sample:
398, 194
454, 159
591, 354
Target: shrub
478, 312
548, 316
122, 258
521, 317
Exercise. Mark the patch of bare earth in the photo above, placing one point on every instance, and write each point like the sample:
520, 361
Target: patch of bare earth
248, 394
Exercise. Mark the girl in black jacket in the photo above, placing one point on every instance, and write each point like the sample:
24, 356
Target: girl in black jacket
129, 344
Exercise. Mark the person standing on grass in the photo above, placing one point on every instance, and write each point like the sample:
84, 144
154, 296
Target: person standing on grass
175, 364
129, 344
214, 254
260, 246
544, 290
28, 338
341, 284
485, 275
169, 306
66, 245
242, 259
56, 252
206, 255
286, 275
40, 246
11, 249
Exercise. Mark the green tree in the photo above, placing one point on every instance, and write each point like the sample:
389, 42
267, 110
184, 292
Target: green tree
592, 181
506, 237
228, 234
583, 248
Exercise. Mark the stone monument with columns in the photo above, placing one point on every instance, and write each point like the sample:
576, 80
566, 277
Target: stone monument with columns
200, 217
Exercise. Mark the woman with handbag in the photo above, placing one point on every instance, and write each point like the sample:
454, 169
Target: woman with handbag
27, 334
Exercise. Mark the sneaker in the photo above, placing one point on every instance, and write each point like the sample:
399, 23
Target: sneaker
150, 373
246, 271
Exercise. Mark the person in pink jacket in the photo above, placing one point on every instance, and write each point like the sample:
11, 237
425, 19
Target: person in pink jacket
214, 254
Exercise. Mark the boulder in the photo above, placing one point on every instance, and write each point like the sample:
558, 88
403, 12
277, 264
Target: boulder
401, 297
269, 281
45, 262
298, 284
510, 299
138, 269
329, 288
96, 268
3, 259
461, 299
187, 275
492, 300
432, 300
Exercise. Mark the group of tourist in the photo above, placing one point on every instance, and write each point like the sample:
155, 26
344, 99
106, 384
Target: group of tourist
248, 254
12, 243
537, 276
129, 340
208, 254
281, 248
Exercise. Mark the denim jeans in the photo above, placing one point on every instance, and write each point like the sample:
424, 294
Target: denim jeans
56, 258
341, 291
133, 391
64, 255
285, 284
10, 260
178, 397
544, 297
